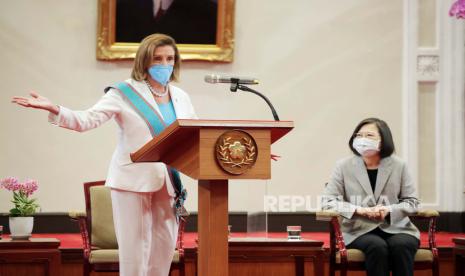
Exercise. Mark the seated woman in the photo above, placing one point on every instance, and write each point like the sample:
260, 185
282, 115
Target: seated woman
374, 193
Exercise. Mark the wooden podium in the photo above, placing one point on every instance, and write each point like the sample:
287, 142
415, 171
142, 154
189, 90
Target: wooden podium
214, 151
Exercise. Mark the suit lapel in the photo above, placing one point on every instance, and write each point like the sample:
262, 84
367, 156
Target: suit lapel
176, 102
362, 176
384, 171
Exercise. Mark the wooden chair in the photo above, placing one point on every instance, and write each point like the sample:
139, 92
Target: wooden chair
343, 259
98, 233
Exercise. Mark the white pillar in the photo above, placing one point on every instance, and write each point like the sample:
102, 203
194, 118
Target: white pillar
442, 64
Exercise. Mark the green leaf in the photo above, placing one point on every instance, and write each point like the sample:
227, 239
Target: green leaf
23, 206
15, 212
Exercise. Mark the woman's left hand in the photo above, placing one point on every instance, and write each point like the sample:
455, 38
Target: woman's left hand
376, 213
383, 212
379, 213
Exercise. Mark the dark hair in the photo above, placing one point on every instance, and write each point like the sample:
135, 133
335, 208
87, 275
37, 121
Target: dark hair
386, 145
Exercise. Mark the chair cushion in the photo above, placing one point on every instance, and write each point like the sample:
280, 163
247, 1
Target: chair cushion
355, 255
111, 256
103, 231
424, 255
103, 256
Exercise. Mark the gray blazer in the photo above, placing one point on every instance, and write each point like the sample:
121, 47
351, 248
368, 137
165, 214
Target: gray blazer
349, 188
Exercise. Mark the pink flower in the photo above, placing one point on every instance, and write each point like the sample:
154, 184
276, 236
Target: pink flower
29, 187
458, 9
10, 183
13, 184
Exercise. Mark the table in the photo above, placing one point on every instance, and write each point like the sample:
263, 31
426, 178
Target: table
36, 256
459, 256
275, 251
258, 256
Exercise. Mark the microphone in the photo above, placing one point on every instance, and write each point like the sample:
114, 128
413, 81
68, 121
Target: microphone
229, 79
238, 83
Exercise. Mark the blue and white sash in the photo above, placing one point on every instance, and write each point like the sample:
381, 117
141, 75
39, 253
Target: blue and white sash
156, 125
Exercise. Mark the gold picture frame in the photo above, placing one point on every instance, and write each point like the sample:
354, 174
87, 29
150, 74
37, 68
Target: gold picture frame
222, 51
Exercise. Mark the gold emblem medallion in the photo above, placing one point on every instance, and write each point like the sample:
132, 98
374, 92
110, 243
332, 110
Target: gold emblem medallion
236, 151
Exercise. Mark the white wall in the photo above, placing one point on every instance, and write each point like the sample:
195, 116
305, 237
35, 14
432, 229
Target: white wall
324, 64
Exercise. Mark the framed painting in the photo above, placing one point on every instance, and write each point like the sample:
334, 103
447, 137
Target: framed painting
203, 29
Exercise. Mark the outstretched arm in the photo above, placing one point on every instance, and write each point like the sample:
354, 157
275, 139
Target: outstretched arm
102, 111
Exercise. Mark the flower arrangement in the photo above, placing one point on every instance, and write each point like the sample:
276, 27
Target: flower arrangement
458, 9
23, 205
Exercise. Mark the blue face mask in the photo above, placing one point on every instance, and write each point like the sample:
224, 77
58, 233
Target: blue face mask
161, 73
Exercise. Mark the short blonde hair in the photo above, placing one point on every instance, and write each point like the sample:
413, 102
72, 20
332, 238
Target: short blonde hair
144, 56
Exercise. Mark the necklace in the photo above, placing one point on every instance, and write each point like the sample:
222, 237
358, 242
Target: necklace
154, 92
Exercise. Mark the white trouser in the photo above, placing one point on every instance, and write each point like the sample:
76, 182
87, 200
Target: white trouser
146, 230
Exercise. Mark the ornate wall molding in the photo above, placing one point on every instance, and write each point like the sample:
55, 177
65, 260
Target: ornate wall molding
428, 67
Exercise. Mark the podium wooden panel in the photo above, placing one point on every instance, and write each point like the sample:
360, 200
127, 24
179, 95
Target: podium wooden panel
189, 146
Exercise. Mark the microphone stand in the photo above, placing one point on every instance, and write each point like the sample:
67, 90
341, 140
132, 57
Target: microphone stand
235, 85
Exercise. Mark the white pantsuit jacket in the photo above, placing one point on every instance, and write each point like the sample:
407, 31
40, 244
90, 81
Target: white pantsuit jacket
349, 187
133, 133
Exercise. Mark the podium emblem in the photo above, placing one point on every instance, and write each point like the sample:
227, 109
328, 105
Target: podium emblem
236, 151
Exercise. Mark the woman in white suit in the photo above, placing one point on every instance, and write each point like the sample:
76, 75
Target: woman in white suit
374, 193
143, 195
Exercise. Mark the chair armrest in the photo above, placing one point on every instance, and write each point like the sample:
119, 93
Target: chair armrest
77, 214
326, 215
432, 216
336, 240
81, 218
427, 214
